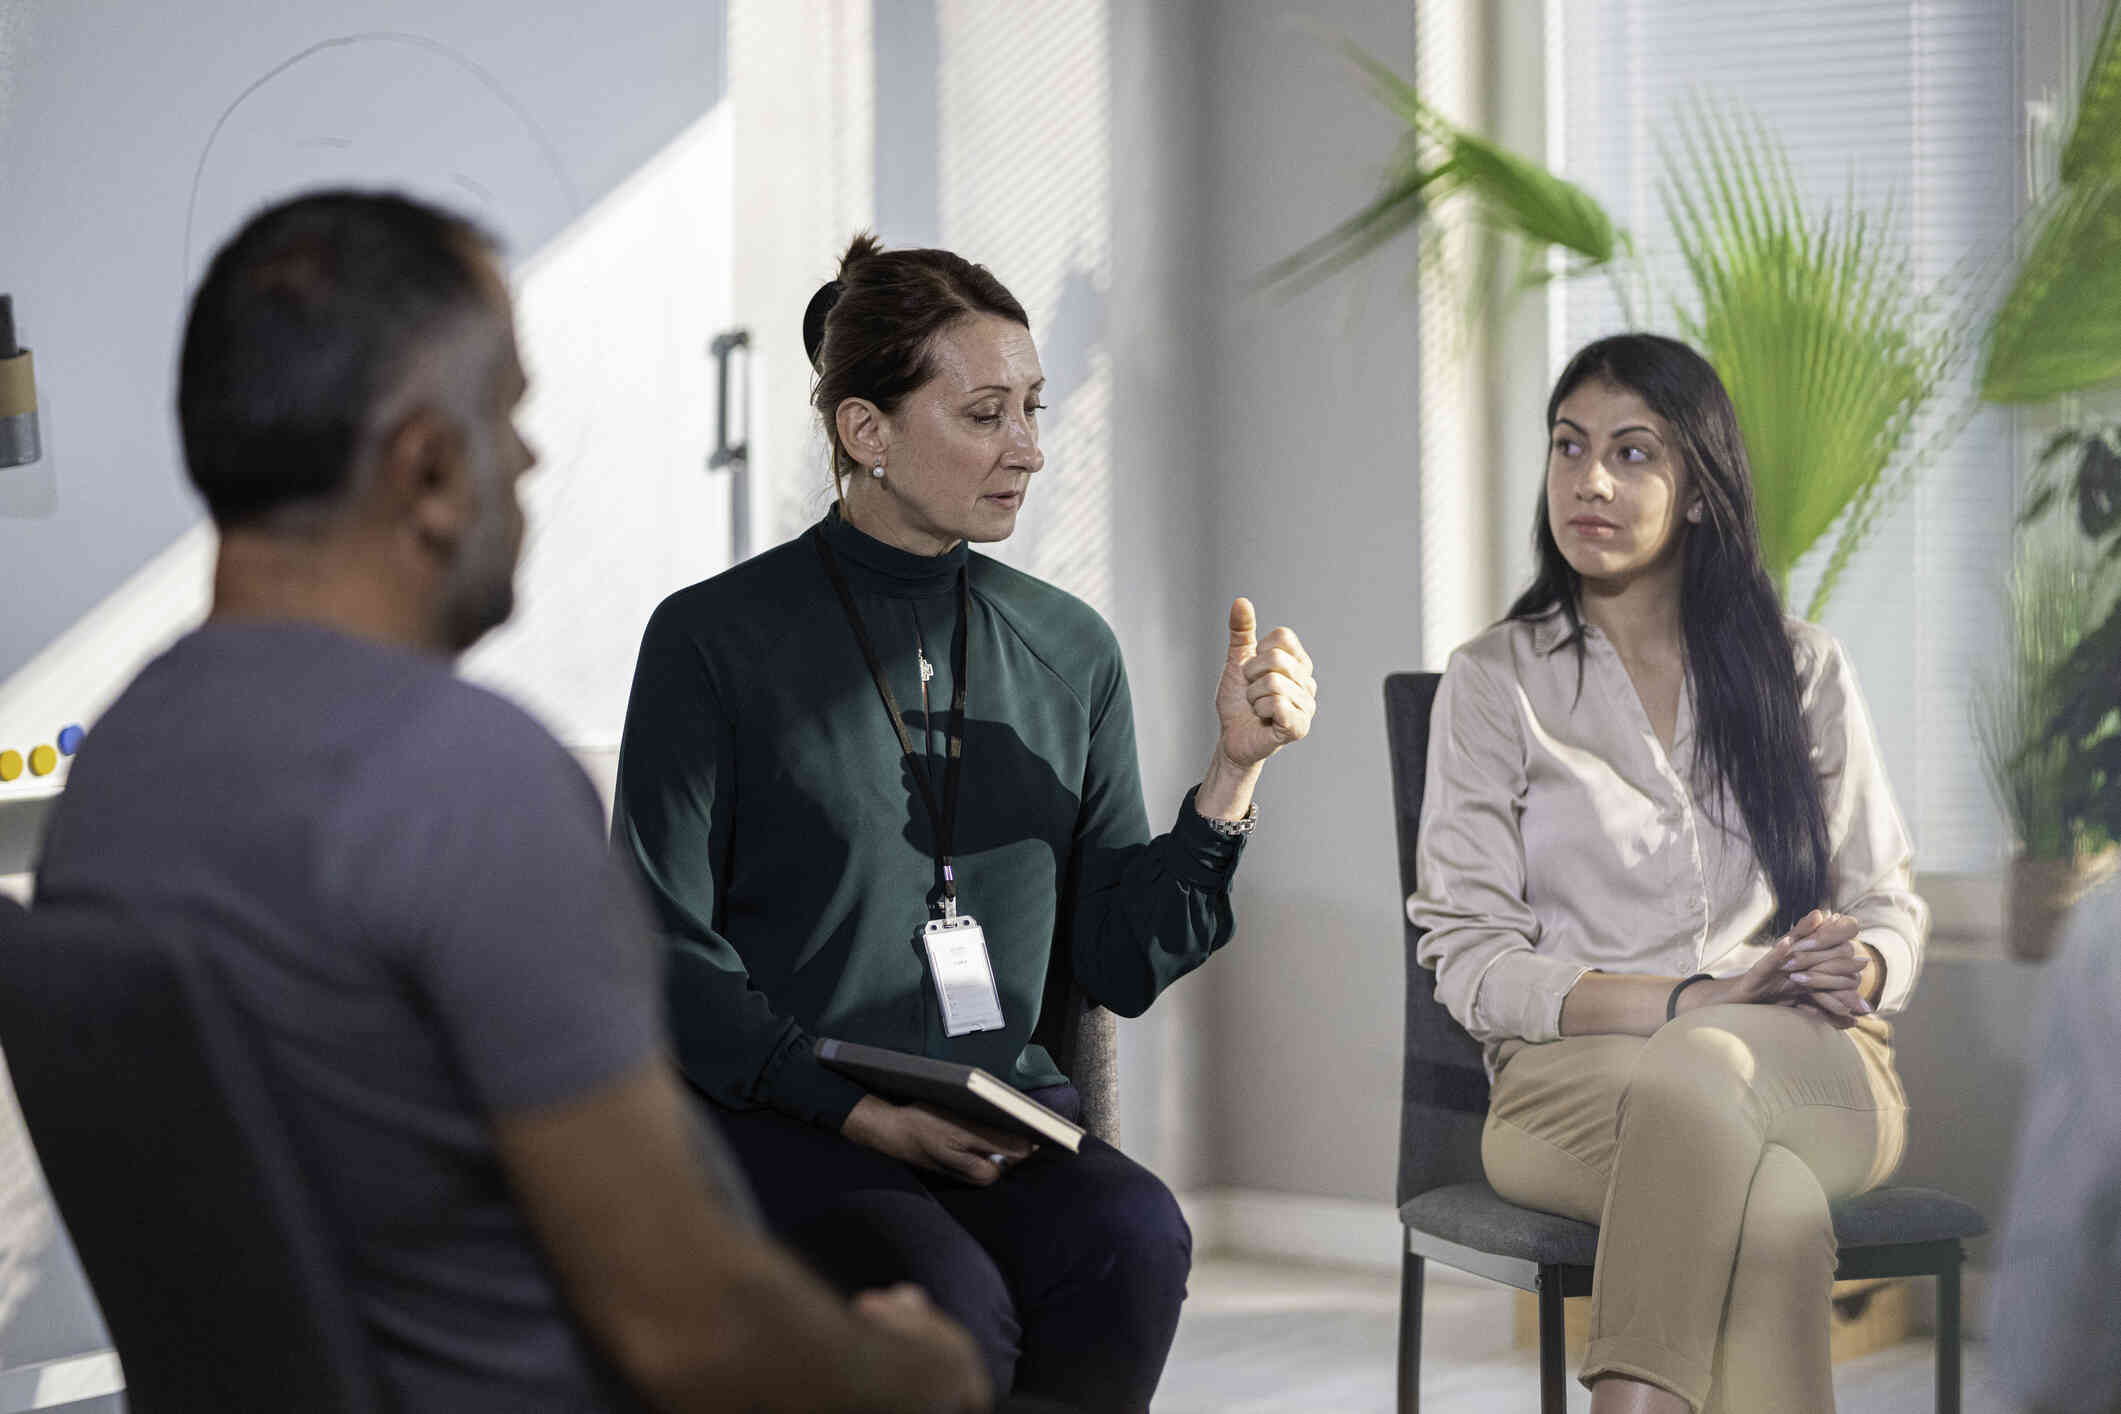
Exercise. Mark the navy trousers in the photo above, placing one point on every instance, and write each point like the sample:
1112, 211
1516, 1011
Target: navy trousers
1068, 1271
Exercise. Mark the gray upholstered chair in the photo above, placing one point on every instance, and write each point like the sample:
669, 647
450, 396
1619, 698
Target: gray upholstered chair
1449, 1213
166, 1156
1083, 1040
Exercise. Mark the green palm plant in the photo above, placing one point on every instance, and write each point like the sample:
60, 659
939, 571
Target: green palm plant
2057, 336
1438, 162
2094, 147
2058, 330
1828, 348
2058, 595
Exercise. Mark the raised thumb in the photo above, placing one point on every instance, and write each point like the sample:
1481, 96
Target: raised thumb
1244, 630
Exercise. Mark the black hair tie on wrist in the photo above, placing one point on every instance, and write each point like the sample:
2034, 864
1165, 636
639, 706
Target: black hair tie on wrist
1671, 1003
828, 295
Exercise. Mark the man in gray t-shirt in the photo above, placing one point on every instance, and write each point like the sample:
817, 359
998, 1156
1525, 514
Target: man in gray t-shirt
2052, 1335
401, 881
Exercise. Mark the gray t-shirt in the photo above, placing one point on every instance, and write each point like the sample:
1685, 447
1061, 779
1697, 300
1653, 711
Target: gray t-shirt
402, 882
2052, 1340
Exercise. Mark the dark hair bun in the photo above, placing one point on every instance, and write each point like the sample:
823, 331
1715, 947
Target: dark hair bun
828, 294
864, 247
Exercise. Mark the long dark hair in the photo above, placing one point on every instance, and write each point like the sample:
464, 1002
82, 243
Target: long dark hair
871, 333
1739, 660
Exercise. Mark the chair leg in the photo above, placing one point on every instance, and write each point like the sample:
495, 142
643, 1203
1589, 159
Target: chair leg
1410, 1274
1553, 1345
1948, 1336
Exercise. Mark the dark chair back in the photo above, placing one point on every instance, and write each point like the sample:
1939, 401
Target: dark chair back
1083, 1039
1444, 1087
169, 1164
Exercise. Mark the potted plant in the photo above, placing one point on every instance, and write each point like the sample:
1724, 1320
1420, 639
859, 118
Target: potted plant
2055, 343
2056, 598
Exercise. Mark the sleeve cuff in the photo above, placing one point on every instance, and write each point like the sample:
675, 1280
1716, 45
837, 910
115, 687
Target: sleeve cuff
1205, 859
797, 1084
1521, 992
1901, 965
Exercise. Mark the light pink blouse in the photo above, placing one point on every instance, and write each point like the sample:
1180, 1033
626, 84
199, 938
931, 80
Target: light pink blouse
1558, 836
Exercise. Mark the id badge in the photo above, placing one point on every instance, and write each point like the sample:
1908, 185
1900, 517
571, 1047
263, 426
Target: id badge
964, 978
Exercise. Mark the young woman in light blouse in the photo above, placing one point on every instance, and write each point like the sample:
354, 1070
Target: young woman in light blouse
1665, 884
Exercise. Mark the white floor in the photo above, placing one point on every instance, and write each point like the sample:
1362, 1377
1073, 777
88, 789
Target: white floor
1277, 1338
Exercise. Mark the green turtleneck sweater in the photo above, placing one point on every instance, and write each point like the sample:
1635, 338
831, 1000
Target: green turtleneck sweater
765, 801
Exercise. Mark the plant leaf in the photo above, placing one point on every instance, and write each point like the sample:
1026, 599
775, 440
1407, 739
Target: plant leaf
2037, 506
2094, 147
1396, 209
1826, 347
2059, 329
1526, 199
1442, 163
2061, 442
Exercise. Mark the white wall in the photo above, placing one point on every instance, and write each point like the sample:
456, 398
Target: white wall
1309, 504
1163, 509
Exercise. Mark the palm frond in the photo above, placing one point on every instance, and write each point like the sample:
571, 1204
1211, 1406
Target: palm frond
1439, 163
1394, 210
2059, 328
2094, 147
1815, 326
1524, 198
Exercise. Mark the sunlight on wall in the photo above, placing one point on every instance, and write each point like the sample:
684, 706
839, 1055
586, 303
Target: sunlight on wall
802, 101
615, 316
1456, 537
81, 671
1026, 191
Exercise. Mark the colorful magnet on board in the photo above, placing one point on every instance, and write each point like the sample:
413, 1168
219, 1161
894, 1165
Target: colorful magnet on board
43, 761
10, 765
70, 740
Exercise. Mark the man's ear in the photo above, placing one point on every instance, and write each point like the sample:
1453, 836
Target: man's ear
423, 479
864, 431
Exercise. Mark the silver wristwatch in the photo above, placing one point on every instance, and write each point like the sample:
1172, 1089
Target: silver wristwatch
1235, 829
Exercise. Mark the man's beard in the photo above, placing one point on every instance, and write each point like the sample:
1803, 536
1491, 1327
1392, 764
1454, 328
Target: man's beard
481, 593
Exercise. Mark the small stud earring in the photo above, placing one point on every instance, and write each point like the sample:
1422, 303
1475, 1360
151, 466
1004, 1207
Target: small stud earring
1693, 514
877, 471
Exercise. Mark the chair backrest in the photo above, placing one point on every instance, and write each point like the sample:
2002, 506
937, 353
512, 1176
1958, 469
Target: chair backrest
173, 1173
1083, 1039
1444, 1086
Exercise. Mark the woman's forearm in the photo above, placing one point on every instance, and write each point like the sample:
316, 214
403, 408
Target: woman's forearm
1226, 788
1617, 1004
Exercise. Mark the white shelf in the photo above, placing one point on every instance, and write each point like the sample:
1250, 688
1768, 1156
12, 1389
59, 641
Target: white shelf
26, 787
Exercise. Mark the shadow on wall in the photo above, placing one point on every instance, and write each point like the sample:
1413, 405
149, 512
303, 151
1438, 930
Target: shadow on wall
1960, 1049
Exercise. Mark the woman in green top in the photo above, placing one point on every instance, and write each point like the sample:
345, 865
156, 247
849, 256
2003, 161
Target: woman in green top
798, 836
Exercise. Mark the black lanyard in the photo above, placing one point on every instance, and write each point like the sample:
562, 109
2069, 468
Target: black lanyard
944, 821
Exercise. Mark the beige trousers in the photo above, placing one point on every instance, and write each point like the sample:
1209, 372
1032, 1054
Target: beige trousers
1706, 1154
